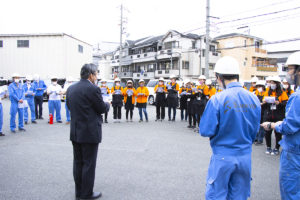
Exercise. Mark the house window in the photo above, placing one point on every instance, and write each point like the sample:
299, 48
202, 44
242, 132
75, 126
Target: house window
1, 43
185, 64
193, 44
245, 43
80, 48
23, 43
257, 44
203, 52
212, 48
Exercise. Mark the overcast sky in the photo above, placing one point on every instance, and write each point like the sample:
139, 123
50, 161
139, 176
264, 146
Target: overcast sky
96, 21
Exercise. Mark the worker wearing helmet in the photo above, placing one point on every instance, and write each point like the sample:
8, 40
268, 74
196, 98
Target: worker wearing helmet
54, 104
142, 94
17, 97
183, 101
260, 93
105, 94
30, 90
172, 98
254, 80
211, 89
129, 99
160, 99
117, 100
199, 103
287, 87
38, 97
190, 99
69, 81
231, 121
289, 172
275, 100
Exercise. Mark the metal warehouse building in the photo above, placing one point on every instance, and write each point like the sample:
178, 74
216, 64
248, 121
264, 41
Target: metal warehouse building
56, 54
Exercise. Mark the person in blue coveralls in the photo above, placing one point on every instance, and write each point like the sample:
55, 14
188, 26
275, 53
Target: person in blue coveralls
17, 97
29, 90
38, 97
289, 171
2, 96
54, 104
231, 120
69, 81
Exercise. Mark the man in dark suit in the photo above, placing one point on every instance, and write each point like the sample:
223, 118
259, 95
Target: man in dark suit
86, 106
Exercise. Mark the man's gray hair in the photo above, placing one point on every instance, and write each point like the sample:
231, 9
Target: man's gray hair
87, 70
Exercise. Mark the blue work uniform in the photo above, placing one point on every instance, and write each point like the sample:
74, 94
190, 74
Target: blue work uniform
2, 93
231, 119
289, 172
40, 87
29, 90
16, 93
54, 102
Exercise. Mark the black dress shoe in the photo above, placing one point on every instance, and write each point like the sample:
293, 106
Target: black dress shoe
41, 118
1, 134
95, 195
59, 122
13, 131
34, 122
26, 122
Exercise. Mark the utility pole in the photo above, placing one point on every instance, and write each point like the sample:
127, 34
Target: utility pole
121, 36
207, 41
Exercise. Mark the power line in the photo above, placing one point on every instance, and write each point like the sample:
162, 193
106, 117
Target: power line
259, 8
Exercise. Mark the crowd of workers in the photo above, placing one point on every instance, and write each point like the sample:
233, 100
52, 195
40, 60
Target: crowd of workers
234, 119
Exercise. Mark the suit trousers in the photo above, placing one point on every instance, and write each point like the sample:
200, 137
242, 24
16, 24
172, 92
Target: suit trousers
84, 165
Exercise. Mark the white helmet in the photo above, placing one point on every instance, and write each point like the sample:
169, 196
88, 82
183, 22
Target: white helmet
261, 82
254, 80
103, 81
227, 65
117, 80
53, 77
141, 80
172, 76
284, 81
29, 78
275, 78
161, 79
268, 78
293, 59
187, 81
208, 82
15, 75
129, 81
202, 77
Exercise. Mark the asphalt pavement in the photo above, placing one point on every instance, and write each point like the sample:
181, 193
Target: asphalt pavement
136, 161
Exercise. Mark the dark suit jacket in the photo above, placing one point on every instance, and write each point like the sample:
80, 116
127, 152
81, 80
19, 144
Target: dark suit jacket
86, 105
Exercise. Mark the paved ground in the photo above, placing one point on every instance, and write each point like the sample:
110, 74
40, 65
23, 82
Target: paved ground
136, 161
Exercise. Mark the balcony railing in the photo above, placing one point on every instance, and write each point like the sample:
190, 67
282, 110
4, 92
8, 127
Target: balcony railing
259, 50
266, 68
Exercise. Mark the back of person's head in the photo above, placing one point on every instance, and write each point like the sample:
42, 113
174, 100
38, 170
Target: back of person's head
87, 70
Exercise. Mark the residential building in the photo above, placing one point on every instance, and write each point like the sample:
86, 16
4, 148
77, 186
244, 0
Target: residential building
250, 53
174, 53
281, 58
55, 54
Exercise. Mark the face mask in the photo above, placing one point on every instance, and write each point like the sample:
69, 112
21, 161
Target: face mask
129, 85
285, 86
17, 80
103, 84
273, 86
142, 85
117, 84
160, 83
268, 85
253, 85
259, 89
54, 83
201, 82
188, 86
